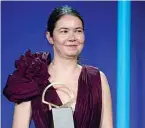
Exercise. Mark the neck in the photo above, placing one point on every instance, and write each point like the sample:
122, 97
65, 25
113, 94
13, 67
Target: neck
62, 69
64, 64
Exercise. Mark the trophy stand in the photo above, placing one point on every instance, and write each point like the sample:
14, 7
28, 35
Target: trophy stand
62, 116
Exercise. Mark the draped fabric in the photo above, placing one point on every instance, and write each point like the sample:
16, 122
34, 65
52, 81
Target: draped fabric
30, 79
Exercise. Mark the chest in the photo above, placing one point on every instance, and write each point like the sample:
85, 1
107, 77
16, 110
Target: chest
67, 93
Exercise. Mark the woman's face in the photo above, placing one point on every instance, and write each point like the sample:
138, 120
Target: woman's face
68, 36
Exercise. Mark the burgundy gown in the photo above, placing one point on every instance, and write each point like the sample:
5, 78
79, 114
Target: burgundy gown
31, 77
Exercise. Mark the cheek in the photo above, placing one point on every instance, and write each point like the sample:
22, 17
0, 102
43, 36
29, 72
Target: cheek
81, 39
80, 48
60, 40
82, 45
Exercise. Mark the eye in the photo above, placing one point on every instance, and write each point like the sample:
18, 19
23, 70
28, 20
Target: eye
63, 31
79, 31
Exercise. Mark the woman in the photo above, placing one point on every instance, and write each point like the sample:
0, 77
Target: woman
92, 107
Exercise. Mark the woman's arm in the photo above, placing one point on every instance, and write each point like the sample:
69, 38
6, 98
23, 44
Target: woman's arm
22, 115
106, 116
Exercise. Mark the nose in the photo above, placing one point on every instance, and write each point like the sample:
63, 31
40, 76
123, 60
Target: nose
72, 37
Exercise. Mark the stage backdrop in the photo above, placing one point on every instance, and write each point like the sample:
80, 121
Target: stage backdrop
23, 27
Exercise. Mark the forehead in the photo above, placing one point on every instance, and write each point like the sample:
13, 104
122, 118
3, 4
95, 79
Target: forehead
68, 21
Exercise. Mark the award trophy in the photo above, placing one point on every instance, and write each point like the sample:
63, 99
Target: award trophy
62, 116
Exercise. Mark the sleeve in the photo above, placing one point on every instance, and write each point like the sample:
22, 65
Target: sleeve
26, 81
19, 89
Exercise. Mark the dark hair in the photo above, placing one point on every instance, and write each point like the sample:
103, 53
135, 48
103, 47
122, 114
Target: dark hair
57, 13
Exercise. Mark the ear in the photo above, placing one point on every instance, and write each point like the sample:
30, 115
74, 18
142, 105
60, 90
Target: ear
49, 38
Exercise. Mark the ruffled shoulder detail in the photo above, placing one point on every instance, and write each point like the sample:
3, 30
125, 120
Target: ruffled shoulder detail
30, 76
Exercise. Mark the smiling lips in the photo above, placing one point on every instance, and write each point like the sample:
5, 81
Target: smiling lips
72, 46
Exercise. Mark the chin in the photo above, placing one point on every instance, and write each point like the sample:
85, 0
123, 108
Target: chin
72, 55
72, 52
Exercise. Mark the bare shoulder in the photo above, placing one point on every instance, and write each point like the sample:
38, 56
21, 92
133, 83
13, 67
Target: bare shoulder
103, 76
106, 93
106, 116
104, 81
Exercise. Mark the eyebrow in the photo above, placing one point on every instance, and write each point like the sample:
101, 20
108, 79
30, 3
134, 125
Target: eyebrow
79, 28
68, 28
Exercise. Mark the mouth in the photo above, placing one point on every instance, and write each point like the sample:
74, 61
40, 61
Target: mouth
71, 45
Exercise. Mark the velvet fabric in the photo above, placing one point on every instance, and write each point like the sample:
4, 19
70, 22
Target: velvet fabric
30, 78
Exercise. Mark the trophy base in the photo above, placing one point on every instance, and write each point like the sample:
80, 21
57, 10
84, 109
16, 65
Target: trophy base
62, 118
